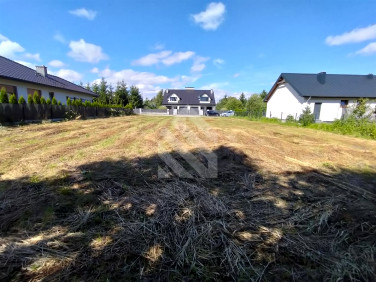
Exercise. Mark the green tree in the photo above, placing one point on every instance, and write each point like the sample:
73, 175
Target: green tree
69, 101
3, 95
159, 98
306, 118
13, 99
121, 94
221, 105
30, 99
36, 98
54, 101
103, 95
95, 88
43, 101
88, 86
243, 100
21, 100
135, 97
234, 104
263, 94
360, 109
256, 106
48, 101
59, 103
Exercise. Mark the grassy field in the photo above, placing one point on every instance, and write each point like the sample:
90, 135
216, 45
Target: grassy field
82, 200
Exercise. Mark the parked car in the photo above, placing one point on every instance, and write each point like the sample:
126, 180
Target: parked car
228, 114
212, 113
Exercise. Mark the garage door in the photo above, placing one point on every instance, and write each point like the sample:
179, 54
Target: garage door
194, 111
183, 111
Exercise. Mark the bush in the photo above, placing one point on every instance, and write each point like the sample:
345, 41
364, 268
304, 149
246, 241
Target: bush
36, 98
43, 101
59, 103
69, 101
290, 119
48, 101
13, 99
87, 104
3, 96
21, 100
307, 118
129, 106
30, 99
54, 101
77, 102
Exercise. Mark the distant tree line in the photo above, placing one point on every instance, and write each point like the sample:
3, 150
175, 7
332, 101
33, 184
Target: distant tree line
253, 106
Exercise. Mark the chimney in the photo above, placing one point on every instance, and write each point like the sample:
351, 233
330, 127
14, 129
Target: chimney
42, 70
189, 87
321, 77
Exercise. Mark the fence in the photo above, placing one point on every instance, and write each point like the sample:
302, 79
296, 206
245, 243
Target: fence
35, 112
151, 111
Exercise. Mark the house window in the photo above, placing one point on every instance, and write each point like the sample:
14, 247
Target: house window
52, 94
31, 91
173, 99
344, 103
204, 99
9, 89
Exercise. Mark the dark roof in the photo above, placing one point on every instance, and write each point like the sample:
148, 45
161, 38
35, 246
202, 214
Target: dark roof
329, 85
15, 71
188, 96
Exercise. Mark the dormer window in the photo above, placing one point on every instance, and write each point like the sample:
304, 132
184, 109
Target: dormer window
204, 98
174, 98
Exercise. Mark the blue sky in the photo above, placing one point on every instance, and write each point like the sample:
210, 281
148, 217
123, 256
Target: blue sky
229, 46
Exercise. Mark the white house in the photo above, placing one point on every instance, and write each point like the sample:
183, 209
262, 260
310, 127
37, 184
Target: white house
330, 96
23, 81
188, 101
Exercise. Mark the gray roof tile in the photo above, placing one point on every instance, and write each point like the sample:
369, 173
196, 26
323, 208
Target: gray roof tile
329, 85
13, 70
188, 97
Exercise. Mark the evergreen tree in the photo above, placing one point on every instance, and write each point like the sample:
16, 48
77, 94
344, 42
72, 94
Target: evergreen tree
54, 101
69, 101
135, 97
3, 95
36, 98
48, 101
263, 94
21, 100
243, 100
43, 101
13, 99
30, 99
121, 94
103, 92
88, 86
95, 88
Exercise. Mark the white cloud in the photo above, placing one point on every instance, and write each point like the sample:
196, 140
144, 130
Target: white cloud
151, 59
69, 75
84, 13
94, 70
212, 17
56, 64
3, 38
356, 35
10, 49
198, 64
368, 50
27, 64
35, 57
218, 62
86, 52
177, 57
59, 37
236, 75
165, 57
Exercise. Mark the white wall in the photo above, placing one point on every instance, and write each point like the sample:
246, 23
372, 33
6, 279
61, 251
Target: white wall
285, 101
60, 94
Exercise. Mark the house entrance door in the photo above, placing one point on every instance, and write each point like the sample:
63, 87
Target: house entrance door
317, 110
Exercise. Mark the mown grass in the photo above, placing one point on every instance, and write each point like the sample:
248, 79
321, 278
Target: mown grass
286, 204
